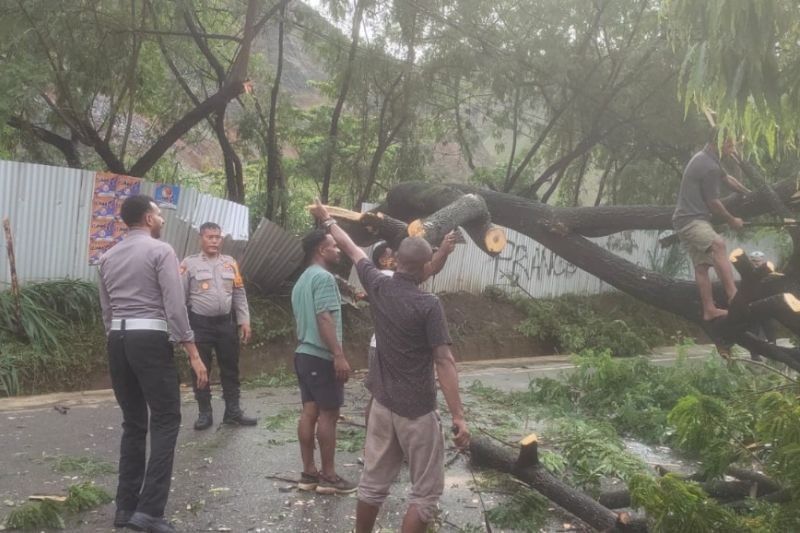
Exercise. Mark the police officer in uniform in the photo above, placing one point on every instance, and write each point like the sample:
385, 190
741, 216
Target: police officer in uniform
219, 315
143, 309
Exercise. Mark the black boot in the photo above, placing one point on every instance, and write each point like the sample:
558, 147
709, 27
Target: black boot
235, 416
204, 418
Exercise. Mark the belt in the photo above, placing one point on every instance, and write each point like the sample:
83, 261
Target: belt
218, 319
127, 324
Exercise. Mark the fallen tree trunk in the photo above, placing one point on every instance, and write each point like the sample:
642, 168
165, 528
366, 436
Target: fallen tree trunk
413, 199
559, 229
526, 467
469, 211
722, 491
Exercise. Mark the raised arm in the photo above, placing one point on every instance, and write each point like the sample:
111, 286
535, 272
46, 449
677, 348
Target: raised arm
341, 237
439, 258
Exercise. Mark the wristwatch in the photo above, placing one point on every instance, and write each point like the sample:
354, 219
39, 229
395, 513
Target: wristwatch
326, 225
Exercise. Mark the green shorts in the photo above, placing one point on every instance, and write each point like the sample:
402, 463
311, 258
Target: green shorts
697, 237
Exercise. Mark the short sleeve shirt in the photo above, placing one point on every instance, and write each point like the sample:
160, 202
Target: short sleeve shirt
315, 292
409, 324
700, 184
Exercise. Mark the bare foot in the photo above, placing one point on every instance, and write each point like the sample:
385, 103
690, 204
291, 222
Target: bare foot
716, 313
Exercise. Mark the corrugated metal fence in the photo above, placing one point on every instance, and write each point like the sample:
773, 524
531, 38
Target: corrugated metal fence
50, 210
528, 268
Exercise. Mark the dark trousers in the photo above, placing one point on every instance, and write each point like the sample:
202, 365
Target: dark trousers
218, 335
144, 376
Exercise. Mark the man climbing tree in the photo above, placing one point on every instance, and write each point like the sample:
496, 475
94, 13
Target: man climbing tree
698, 201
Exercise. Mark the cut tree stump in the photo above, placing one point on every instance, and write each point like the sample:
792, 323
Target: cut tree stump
469, 211
526, 467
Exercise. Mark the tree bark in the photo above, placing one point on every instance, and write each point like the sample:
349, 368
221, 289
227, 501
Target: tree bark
276, 181
559, 230
526, 467
467, 210
333, 134
63, 144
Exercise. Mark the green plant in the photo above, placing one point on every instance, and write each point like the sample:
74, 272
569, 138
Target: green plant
350, 439
55, 314
280, 420
526, 510
85, 466
280, 377
676, 505
49, 514
614, 322
85, 496
594, 452
35, 516
48, 310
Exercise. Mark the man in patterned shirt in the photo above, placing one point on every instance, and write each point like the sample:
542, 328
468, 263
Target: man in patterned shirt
412, 340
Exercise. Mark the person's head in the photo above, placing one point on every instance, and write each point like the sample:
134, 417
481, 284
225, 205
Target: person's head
383, 256
728, 143
141, 212
320, 248
210, 238
758, 258
412, 255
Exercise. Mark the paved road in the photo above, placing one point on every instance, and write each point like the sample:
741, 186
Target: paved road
222, 476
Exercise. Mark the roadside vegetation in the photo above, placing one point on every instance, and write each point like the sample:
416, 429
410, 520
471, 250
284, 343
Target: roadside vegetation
713, 414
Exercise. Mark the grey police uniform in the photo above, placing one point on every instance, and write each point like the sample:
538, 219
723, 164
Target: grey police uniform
142, 300
215, 295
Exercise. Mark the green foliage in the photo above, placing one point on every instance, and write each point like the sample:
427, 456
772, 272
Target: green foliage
740, 58
706, 426
50, 309
33, 516
779, 426
613, 322
280, 420
55, 315
270, 318
85, 496
281, 377
350, 439
675, 505
526, 510
594, 452
84, 466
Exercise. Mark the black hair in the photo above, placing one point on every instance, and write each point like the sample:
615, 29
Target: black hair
311, 242
134, 208
378, 252
209, 225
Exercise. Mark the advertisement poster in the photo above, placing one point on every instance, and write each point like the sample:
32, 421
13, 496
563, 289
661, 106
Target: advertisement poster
166, 196
105, 228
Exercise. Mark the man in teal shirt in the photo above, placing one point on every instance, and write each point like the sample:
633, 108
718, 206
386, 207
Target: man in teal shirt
319, 362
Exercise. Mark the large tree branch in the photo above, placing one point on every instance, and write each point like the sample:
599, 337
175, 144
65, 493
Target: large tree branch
182, 126
550, 227
63, 144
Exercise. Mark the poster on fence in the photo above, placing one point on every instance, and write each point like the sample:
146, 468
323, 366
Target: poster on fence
106, 228
166, 196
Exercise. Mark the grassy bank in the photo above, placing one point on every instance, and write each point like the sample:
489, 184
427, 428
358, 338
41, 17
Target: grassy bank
61, 345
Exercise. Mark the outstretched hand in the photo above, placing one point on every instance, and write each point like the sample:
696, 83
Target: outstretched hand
319, 211
449, 242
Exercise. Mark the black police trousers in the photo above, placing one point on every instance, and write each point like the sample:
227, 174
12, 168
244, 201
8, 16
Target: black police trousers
220, 335
144, 377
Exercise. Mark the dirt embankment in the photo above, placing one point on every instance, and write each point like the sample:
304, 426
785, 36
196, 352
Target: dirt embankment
481, 328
